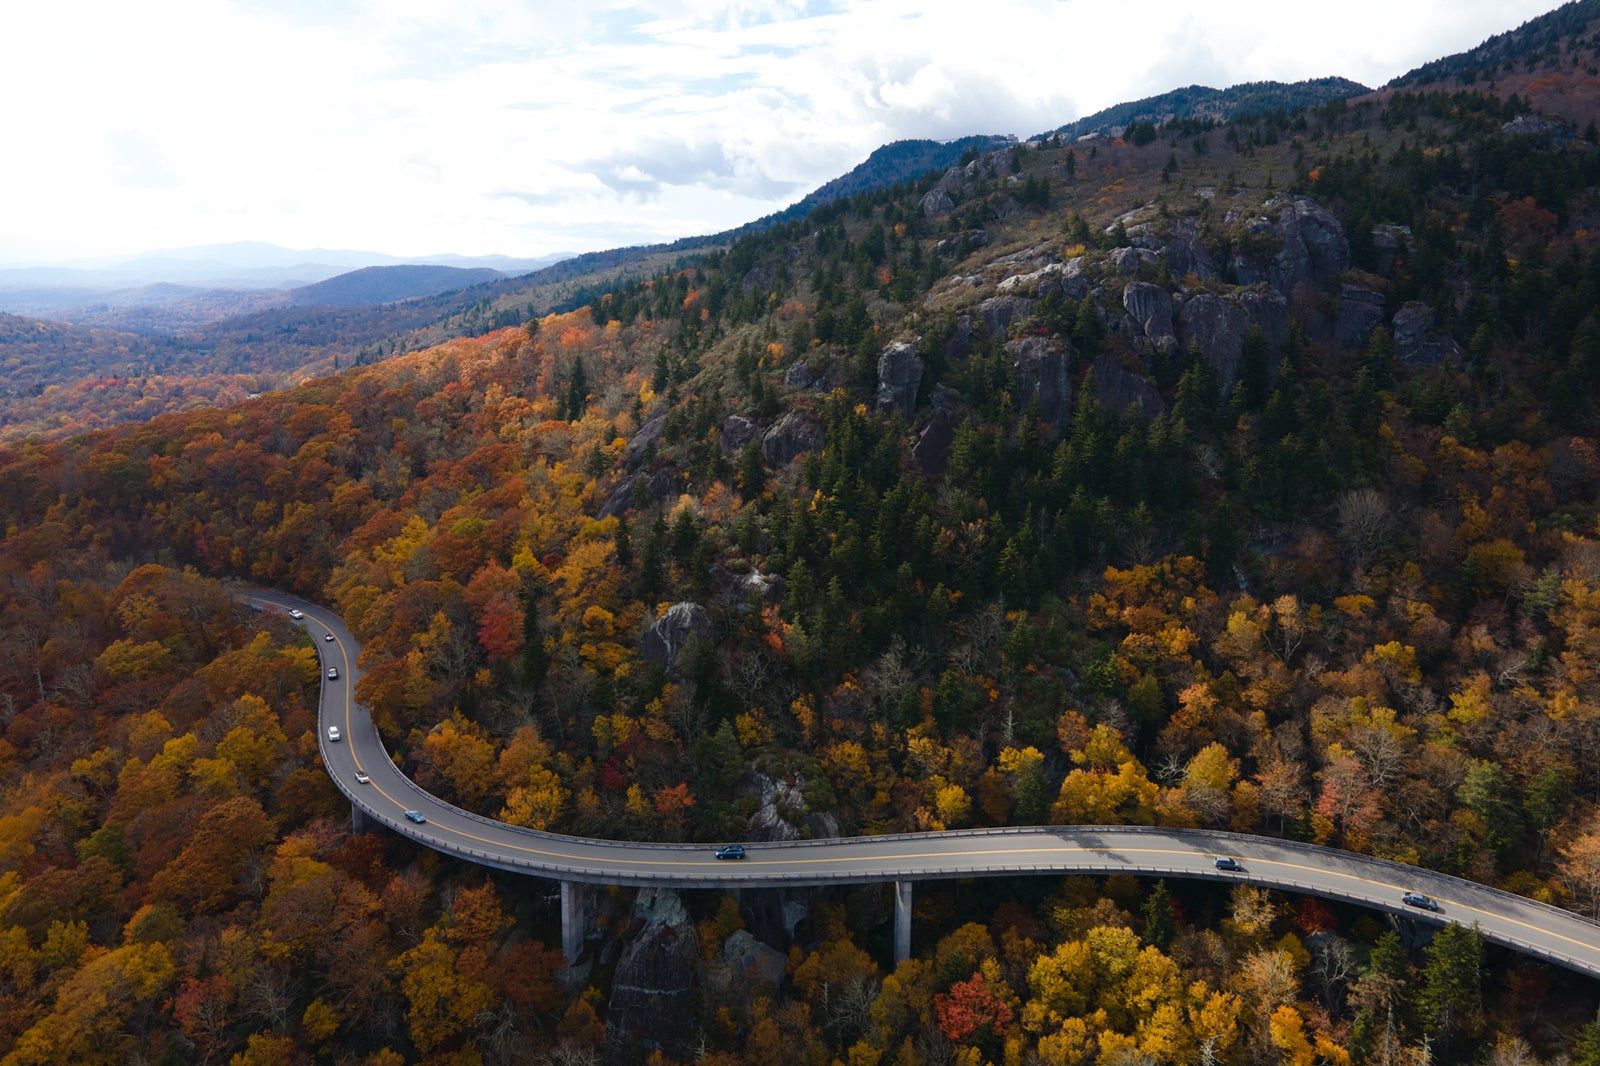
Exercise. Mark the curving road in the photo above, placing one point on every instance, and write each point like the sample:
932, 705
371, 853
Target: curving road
1514, 921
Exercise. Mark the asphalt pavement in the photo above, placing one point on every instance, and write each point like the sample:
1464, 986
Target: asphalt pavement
1534, 928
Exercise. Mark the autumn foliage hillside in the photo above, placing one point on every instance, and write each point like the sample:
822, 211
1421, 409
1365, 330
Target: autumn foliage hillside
1337, 579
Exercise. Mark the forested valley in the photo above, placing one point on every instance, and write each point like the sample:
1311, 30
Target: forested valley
1237, 475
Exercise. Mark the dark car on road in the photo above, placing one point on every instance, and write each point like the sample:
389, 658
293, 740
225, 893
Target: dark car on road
1225, 863
1417, 899
731, 851
415, 816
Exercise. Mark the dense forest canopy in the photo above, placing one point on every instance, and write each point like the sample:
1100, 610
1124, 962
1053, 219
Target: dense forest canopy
1237, 476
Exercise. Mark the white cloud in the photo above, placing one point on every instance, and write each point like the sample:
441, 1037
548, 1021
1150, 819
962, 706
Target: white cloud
415, 126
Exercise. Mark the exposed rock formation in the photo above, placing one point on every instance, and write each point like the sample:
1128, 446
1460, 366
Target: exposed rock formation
793, 435
737, 431
667, 636
1414, 340
641, 489
648, 434
654, 982
997, 314
1115, 389
899, 377
1219, 326
1150, 309
1042, 368
1185, 254
932, 450
1390, 242
1305, 243
1360, 311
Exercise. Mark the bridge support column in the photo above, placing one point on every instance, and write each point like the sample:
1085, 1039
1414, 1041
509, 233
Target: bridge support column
573, 920
359, 822
902, 921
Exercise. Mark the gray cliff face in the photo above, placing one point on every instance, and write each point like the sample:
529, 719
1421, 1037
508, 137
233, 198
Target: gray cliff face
1360, 312
654, 982
667, 636
648, 434
1186, 254
737, 431
793, 435
899, 377
1304, 244
1149, 308
642, 488
1415, 342
932, 450
1115, 389
1219, 325
1042, 365
998, 314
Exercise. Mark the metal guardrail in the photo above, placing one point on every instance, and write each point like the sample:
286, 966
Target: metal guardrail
1083, 861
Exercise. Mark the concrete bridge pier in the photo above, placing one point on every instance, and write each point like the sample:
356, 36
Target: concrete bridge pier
902, 921
573, 920
359, 822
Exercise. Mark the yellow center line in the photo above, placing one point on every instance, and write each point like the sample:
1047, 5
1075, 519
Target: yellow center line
700, 864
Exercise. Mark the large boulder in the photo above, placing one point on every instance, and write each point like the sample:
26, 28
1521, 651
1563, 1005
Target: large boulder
899, 378
737, 431
639, 446
1218, 328
665, 638
1149, 308
794, 434
641, 489
1116, 389
998, 314
1360, 312
653, 986
1269, 311
1043, 365
1415, 343
1304, 244
1186, 254
1389, 243
936, 203
932, 450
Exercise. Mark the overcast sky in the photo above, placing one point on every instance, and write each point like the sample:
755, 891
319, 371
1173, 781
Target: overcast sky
415, 127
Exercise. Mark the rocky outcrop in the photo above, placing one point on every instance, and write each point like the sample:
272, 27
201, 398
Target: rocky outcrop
1129, 260
738, 589
975, 238
641, 490
1219, 326
1389, 243
1185, 254
998, 314
648, 434
737, 431
665, 638
803, 375
1415, 343
793, 435
654, 982
782, 814
1042, 376
1149, 308
1115, 389
899, 377
1360, 311
1270, 312
937, 203
932, 450
1304, 244
958, 345
745, 966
